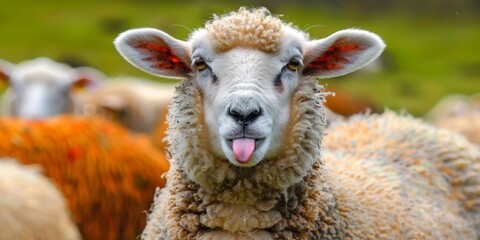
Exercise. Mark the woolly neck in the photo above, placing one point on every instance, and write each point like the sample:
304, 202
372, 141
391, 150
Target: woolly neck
287, 196
189, 146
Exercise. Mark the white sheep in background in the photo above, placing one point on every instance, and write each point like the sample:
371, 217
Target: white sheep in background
42, 87
138, 104
460, 113
245, 134
31, 207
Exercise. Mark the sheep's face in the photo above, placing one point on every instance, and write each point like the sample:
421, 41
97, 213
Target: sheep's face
41, 87
38, 95
247, 90
246, 96
246, 100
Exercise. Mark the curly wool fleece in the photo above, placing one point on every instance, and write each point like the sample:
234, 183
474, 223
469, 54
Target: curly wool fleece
298, 195
436, 170
248, 28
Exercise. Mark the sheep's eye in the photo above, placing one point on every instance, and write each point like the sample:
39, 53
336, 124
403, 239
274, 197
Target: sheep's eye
293, 65
200, 64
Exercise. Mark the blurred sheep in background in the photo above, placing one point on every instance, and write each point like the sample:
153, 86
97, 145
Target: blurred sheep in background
31, 206
460, 113
135, 103
42, 88
107, 174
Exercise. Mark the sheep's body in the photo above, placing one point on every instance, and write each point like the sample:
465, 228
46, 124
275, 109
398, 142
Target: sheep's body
468, 125
222, 197
42, 87
245, 134
107, 174
382, 177
423, 171
135, 103
31, 207
460, 113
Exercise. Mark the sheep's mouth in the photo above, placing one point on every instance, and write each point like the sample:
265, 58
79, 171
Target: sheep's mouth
243, 148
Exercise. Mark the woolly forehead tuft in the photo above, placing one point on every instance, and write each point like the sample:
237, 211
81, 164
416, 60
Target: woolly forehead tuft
255, 28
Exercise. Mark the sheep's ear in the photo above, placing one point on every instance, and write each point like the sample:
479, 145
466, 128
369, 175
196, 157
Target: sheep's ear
155, 52
87, 78
5, 70
341, 53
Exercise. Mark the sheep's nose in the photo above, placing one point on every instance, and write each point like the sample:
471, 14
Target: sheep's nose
245, 115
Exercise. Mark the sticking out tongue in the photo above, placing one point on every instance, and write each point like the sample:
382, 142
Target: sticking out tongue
243, 149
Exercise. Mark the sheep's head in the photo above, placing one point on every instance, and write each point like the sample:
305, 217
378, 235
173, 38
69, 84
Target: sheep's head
247, 65
41, 87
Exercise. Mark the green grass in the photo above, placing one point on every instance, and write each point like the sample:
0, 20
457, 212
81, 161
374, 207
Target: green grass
433, 55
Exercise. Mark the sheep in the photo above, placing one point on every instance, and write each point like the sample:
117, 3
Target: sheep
436, 169
42, 88
106, 173
135, 103
31, 205
460, 113
245, 137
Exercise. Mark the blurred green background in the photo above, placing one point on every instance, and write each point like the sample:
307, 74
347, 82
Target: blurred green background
433, 46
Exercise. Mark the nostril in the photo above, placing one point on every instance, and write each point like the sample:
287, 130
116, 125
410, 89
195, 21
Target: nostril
235, 114
253, 114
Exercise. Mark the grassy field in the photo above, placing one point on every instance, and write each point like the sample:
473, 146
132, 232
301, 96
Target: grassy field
428, 55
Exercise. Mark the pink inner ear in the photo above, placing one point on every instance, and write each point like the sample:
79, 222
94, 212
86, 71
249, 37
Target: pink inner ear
334, 58
3, 76
162, 57
82, 83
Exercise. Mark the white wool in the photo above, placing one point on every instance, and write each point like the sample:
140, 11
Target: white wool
31, 207
248, 28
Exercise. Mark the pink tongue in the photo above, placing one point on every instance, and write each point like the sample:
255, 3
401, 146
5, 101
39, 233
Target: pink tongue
243, 149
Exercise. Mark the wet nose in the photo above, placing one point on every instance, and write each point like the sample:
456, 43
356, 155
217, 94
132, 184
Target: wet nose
245, 115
